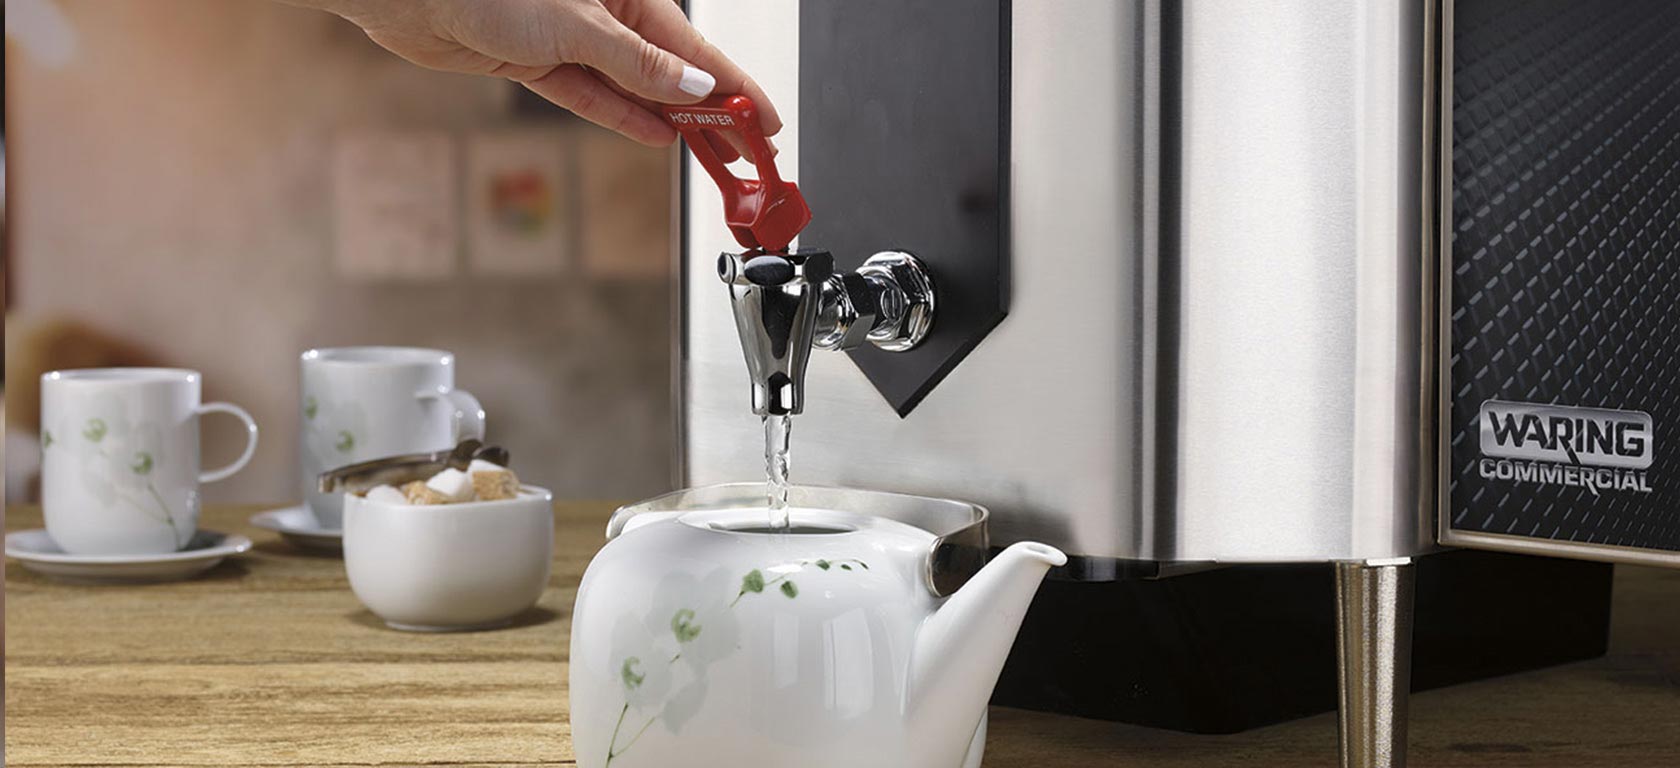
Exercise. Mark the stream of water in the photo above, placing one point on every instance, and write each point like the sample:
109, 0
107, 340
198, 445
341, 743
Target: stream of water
776, 432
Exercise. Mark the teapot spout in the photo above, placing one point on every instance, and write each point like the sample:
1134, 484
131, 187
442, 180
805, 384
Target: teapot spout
960, 649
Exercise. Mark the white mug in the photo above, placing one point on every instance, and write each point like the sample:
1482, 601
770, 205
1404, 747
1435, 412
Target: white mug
120, 458
362, 403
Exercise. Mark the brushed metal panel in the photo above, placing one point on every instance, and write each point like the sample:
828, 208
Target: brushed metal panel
1302, 275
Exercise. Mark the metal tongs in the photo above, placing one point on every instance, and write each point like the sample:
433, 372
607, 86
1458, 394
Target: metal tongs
397, 470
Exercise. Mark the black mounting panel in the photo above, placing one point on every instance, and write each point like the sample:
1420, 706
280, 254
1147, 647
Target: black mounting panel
903, 125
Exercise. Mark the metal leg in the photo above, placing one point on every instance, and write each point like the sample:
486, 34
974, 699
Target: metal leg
1374, 648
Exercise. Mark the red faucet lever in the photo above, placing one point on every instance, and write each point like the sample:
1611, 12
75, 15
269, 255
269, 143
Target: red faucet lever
766, 212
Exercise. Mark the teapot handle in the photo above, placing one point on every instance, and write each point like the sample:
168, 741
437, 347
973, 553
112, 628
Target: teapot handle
628, 519
957, 555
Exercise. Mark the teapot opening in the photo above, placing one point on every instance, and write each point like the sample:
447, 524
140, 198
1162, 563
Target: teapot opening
792, 530
749, 521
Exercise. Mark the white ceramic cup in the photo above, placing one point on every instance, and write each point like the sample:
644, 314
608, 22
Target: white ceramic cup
443, 567
362, 403
120, 458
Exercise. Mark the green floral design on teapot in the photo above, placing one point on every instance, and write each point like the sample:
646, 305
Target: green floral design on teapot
687, 626
754, 582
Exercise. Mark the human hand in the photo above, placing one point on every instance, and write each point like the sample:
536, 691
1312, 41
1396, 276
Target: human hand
609, 61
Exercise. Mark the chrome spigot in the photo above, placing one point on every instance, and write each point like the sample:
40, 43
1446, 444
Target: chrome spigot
776, 297
787, 303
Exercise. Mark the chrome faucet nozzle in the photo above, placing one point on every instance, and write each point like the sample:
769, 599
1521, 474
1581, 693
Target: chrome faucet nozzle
785, 303
776, 298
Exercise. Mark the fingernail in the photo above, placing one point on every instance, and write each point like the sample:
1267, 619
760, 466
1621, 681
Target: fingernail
774, 151
696, 82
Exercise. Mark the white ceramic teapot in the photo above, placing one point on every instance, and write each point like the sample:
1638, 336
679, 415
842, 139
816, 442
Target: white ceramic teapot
699, 638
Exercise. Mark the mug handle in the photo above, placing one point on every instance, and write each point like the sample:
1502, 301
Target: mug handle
468, 417
250, 440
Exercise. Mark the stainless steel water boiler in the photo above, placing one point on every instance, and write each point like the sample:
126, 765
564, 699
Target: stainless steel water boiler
1234, 281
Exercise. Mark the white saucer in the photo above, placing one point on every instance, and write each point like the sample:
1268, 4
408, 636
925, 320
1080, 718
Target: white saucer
298, 527
36, 550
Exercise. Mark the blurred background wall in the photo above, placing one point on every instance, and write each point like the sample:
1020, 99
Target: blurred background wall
199, 183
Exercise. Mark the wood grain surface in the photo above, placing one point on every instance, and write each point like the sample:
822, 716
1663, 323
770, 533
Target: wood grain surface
269, 660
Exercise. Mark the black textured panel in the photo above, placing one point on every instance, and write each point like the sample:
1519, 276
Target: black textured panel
1566, 248
903, 137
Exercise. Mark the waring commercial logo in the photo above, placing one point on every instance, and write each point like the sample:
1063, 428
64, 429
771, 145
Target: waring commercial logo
1598, 449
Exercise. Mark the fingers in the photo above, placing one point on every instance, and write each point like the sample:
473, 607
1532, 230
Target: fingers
635, 55
663, 24
639, 65
574, 88
722, 144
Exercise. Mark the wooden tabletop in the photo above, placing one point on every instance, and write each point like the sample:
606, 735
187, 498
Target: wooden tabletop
269, 660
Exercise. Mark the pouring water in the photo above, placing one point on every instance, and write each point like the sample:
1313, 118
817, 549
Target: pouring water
777, 429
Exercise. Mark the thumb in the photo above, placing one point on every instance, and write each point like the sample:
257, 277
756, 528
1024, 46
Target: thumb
641, 67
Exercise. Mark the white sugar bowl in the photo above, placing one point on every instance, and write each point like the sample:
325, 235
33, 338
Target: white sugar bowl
449, 567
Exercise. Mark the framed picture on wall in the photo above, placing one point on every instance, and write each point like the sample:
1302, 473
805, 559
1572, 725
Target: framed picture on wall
516, 201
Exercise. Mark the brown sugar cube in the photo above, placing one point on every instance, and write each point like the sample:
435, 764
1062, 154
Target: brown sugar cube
494, 484
418, 493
